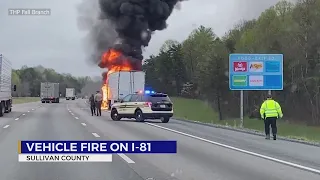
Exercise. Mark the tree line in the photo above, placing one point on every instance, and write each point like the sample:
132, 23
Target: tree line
198, 66
28, 80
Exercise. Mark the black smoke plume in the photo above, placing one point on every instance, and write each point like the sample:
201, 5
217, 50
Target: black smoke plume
125, 25
135, 20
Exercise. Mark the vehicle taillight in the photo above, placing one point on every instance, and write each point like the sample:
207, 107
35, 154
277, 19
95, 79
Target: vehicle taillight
147, 104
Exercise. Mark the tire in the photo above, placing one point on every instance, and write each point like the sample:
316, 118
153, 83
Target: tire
165, 119
2, 109
42, 101
139, 116
114, 115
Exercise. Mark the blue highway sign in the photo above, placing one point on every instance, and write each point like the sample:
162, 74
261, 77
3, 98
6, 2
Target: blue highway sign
256, 71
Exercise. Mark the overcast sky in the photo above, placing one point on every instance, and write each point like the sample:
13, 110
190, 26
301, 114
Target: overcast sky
55, 41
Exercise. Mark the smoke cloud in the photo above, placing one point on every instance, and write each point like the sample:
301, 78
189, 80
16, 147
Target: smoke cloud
124, 25
101, 33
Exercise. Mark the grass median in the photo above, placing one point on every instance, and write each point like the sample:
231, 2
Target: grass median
20, 100
197, 110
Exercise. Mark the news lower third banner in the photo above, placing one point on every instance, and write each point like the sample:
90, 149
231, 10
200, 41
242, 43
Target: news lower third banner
88, 151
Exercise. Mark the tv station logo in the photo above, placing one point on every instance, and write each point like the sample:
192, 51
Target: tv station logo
29, 12
240, 66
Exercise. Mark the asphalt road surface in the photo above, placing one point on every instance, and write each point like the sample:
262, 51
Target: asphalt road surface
204, 153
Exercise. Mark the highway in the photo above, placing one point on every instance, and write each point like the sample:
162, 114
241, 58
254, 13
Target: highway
204, 153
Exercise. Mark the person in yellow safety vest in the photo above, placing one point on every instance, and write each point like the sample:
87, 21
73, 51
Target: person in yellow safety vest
270, 111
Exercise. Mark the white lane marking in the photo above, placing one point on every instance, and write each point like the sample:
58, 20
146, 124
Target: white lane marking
16, 119
76, 117
84, 124
126, 158
32, 109
6, 126
95, 135
70, 111
317, 171
72, 114
23, 114
28, 111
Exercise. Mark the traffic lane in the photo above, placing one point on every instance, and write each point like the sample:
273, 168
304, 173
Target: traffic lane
145, 170
116, 130
195, 159
307, 155
25, 106
54, 122
294, 152
18, 110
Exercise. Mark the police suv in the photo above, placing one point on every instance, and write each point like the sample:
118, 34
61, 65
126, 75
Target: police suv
143, 105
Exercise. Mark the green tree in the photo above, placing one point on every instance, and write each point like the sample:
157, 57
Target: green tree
28, 80
198, 67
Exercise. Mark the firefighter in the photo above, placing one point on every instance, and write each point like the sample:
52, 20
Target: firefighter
270, 111
92, 105
98, 99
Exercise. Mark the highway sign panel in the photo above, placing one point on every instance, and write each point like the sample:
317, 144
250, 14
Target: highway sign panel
256, 71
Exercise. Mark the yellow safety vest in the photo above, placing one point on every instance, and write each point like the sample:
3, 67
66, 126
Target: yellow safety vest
270, 108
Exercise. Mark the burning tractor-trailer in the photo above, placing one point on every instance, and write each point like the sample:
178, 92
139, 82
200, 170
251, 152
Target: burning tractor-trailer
124, 76
121, 83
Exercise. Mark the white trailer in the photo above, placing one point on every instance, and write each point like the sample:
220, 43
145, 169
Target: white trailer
49, 92
123, 83
5, 85
70, 93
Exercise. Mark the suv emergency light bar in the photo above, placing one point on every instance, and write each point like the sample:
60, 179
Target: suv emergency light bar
146, 92
149, 92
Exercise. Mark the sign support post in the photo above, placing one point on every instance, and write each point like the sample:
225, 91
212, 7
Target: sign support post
255, 72
241, 108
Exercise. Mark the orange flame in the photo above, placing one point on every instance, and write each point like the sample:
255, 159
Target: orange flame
105, 94
115, 62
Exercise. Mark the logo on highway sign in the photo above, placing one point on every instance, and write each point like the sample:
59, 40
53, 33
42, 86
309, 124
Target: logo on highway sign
239, 80
240, 66
255, 80
256, 72
256, 66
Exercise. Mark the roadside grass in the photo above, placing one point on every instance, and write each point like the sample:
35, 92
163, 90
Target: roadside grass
20, 100
197, 110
